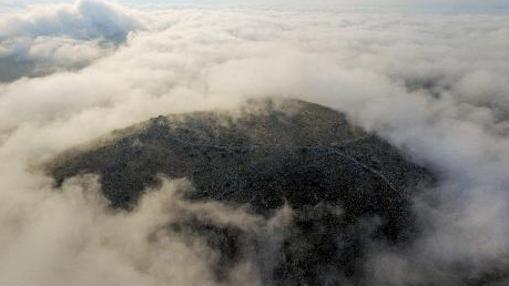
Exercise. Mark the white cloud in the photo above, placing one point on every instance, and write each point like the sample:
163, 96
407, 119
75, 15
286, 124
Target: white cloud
45, 39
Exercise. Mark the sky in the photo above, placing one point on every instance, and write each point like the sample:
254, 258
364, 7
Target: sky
449, 6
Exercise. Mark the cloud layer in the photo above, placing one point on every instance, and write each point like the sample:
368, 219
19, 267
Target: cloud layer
436, 86
45, 39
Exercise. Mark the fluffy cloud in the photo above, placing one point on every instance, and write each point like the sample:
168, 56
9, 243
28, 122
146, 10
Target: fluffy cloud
73, 238
434, 85
45, 39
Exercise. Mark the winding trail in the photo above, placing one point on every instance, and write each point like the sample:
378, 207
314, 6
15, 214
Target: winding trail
333, 149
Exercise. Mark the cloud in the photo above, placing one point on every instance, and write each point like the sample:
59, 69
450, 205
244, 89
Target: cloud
85, 19
74, 238
45, 39
434, 85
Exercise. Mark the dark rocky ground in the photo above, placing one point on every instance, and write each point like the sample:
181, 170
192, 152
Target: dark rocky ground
338, 179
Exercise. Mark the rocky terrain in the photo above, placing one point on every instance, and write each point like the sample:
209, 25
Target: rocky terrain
346, 187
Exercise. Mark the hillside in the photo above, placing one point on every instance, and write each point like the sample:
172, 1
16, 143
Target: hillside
333, 175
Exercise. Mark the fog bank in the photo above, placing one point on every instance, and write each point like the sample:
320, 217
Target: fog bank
434, 85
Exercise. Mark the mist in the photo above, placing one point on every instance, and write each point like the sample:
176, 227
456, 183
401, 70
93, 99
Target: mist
434, 85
